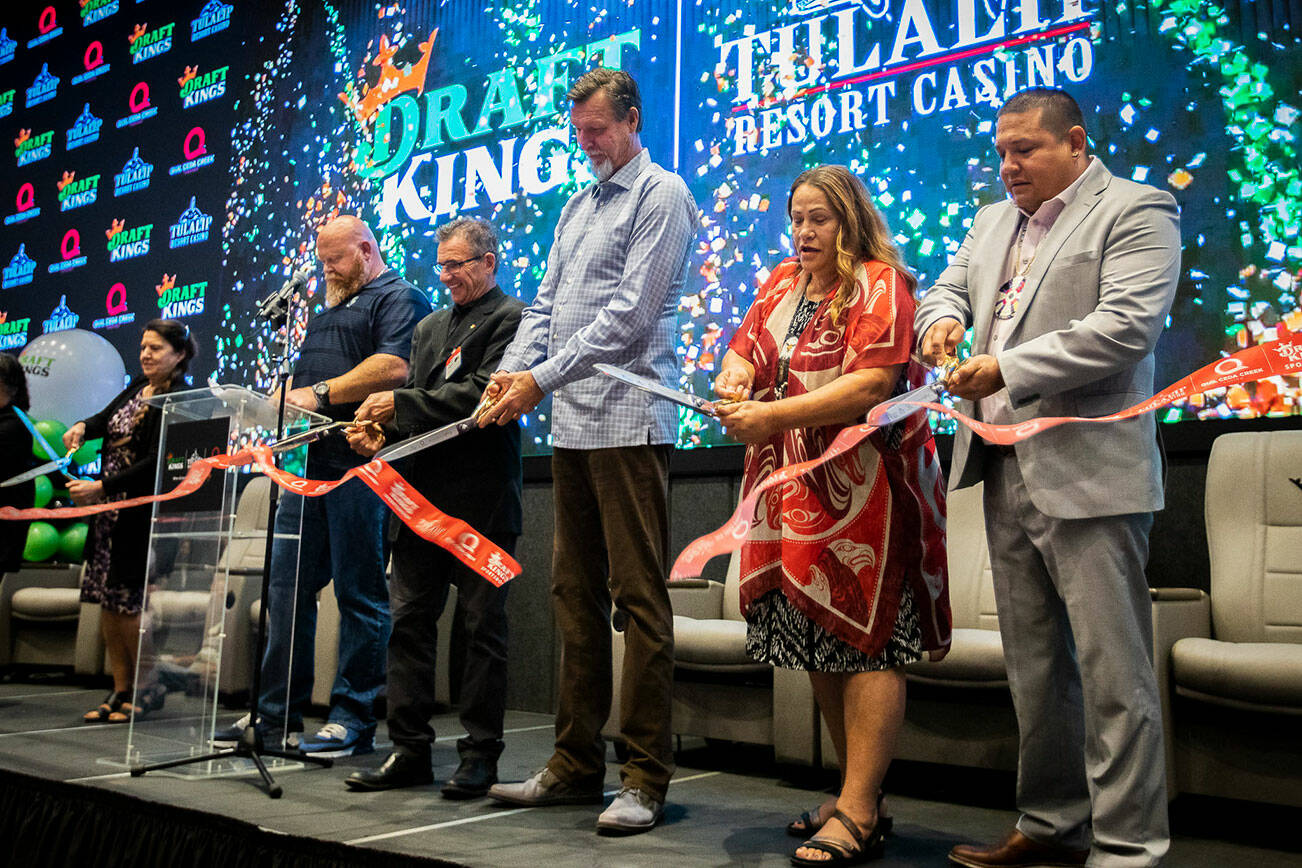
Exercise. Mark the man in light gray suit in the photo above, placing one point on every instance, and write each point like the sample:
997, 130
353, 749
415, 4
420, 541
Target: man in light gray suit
1067, 286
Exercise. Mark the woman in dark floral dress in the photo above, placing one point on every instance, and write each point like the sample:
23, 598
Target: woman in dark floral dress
118, 543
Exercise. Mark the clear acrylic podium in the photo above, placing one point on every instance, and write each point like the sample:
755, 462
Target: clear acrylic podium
204, 573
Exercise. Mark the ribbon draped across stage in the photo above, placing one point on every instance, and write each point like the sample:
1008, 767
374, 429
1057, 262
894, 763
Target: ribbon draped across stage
425, 520
1282, 357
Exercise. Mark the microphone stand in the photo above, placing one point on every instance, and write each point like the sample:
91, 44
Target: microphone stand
251, 746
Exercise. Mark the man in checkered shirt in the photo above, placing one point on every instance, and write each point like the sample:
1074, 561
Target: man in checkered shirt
614, 276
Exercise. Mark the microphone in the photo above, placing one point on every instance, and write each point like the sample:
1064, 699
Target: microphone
276, 305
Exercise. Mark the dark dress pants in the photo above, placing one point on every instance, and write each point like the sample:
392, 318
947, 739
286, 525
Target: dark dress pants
612, 538
418, 591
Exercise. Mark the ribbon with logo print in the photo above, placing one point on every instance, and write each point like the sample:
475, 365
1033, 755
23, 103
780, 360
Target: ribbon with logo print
425, 520
1282, 357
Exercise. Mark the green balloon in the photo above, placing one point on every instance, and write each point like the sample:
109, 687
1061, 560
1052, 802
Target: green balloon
86, 453
44, 491
52, 430
72, 543
42, 541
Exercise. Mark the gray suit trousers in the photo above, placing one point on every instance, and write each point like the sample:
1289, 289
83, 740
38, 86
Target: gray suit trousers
1076, 620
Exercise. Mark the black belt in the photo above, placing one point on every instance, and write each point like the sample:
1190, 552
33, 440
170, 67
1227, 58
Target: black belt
1001, 451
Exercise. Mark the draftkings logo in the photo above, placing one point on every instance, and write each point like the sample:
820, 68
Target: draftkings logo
175, 301
197, 89
29, 148
25, 202
191, 228
93, 60
20, 269
61, 318
70, 250
150, 43
13, 332
44, 88
7, 102
74, 193
134, 176
213, 18
124, 243
97, 10
85, 129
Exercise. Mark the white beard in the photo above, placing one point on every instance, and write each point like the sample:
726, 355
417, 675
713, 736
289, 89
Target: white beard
602, 170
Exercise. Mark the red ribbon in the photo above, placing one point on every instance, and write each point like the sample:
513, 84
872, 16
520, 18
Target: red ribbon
1282, 357
425, 520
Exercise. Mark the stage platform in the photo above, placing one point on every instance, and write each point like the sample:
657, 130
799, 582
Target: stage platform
728, 805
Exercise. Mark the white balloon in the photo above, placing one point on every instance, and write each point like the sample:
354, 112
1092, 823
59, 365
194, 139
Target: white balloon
71, 374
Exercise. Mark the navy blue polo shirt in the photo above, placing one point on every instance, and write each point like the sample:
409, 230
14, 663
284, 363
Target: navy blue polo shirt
379, 318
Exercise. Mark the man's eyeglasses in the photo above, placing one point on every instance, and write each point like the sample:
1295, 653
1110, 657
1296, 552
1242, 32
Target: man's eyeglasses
456, 264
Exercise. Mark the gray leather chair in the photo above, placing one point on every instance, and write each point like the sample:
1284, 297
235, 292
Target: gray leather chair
719, 692
40, 619
959, 710
1236, 722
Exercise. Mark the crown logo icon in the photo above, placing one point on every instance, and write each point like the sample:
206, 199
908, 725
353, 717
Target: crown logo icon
68, 178
137, 33
115, 228
169, 281
23, 135
190, 72
393, 81
4, 315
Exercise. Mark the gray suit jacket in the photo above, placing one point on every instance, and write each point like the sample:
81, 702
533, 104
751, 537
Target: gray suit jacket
1080, 344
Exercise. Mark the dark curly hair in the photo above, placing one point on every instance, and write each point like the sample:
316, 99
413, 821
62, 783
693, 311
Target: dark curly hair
13, 378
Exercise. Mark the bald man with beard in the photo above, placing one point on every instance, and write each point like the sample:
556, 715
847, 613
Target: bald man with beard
359, 343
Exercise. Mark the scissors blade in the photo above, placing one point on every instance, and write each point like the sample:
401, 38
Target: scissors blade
304, 437
637, 381
903, 406
61, 464
47, 467
403, 448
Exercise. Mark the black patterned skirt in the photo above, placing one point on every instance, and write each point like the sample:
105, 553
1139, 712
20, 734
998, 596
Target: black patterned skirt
779, 633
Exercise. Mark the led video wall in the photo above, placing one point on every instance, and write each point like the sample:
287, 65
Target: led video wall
250, 123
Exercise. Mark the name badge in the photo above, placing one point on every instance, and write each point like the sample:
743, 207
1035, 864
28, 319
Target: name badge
452, 365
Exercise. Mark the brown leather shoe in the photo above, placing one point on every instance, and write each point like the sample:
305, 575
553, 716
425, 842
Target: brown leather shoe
1016, 850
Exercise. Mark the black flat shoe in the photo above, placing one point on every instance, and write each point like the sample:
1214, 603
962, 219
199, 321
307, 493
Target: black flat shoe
399, 770
471, 779
810, 822
111, 703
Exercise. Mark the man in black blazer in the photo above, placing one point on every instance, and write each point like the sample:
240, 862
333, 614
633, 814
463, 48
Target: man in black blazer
475, 477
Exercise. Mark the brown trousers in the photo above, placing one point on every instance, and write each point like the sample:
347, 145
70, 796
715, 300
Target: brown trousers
612, 539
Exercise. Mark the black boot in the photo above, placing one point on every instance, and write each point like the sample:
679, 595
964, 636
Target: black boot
472, 778
399, 770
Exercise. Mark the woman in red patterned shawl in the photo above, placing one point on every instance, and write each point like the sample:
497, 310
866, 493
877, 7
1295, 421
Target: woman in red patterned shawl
843, 573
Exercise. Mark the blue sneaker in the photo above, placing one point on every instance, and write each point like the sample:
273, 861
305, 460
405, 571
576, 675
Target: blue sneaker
271, 734
335, 739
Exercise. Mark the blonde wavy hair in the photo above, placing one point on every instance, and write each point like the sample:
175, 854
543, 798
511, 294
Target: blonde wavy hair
862, 234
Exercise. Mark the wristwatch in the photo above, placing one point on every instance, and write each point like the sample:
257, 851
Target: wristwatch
322, 392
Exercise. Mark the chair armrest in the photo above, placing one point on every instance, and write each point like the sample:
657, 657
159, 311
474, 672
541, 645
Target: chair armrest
1177, 614
1165, 595
697, 598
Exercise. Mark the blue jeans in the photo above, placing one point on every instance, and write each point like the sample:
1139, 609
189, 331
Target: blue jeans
343, 537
